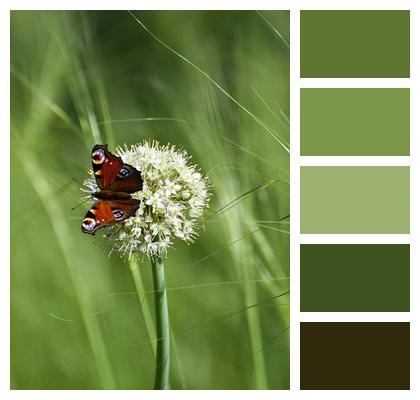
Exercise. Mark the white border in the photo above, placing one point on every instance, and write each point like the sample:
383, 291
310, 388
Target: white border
5, 203
354, 316
294, 6
326, 161
294, 199
354, 82
414, 199
365, 238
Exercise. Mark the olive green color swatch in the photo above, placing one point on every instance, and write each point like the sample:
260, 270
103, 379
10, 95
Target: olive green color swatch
355, 355
354, 277
355, 44
355, 122
355, 200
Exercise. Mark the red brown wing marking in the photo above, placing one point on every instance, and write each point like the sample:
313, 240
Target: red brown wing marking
112, 174
105, 165
107, 212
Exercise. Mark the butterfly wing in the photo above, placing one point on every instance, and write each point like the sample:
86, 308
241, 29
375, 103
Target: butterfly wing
107, 212
112, 174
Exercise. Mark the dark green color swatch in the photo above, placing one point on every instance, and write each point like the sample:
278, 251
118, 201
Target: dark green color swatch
355, 122
355, 200
355, 44
354, 277
355, 355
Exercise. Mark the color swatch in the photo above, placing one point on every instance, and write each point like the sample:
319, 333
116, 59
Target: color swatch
373, 199
355, 122
355, 44
355, 199
354, 277
355, 355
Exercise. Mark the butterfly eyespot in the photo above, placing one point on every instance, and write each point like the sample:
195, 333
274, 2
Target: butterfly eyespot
88, 224
118, 214
98, 156
124, 172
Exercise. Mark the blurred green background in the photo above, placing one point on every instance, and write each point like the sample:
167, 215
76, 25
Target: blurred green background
81, 320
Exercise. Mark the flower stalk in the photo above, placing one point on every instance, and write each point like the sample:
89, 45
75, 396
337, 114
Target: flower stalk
162, 324
170, 206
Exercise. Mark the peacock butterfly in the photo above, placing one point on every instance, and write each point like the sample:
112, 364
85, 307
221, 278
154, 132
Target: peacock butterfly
116, 181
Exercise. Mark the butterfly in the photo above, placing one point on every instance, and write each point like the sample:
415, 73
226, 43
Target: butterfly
116, 181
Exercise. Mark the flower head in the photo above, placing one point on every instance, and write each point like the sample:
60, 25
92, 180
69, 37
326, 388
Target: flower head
172, 200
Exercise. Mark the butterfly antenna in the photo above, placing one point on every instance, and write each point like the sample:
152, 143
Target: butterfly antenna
78, 182
78, 205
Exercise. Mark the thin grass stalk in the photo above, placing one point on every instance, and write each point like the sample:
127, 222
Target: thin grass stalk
257, 346
144, 305
177, 363
243, 256
254, 321
65, 243
270, 131
162, 325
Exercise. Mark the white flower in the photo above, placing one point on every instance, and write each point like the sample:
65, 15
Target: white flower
172, 200
171, 187
174, 209
156, 201
149, 156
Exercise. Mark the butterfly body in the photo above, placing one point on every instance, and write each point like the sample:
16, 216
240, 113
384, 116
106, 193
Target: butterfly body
116, 181
109, 195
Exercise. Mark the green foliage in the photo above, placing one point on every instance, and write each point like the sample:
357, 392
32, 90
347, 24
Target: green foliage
78, 319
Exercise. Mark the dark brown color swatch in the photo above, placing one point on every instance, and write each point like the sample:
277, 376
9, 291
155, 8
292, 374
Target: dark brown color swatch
355, 355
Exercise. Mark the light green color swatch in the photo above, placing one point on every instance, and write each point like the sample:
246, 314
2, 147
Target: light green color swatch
355, 200
355, 122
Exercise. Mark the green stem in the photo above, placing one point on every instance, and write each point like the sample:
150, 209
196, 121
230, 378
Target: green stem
162, 325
